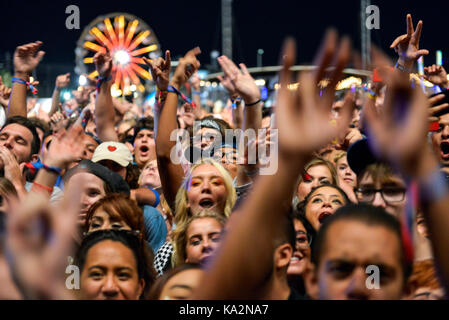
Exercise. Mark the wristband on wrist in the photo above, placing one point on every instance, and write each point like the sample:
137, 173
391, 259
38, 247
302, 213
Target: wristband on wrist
235, 102
179, 93
28, 84
35, 166
156, 194
400, 67
46, 188
253, 104
162, 96
433, 188
101, 80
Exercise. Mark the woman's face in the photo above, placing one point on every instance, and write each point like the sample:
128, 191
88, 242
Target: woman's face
203, 238
319, 175
110, 272
323, 203
345, 174
206, 190
301, 255
150, 175
181, 285
101, 220
92, 190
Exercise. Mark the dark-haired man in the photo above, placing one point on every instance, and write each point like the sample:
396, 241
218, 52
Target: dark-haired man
358, 254
144, 143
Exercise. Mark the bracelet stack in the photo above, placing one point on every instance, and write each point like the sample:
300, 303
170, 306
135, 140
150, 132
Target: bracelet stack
28, 84
179, 93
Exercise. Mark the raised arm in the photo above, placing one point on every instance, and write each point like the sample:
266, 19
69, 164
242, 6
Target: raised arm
104, 108
245, 256
62, 81
404, 143
171, 174
26, 59
407, 46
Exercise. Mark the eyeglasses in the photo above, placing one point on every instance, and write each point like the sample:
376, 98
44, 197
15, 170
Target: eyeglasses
303, 240
389, 194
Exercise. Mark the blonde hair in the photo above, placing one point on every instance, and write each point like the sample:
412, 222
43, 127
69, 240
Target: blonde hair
182, 212
339, 156
180, 235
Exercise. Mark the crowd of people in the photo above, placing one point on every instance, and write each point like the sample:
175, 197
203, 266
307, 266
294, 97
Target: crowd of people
357, 207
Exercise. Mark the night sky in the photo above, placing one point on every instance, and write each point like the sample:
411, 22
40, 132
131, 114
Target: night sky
181, 25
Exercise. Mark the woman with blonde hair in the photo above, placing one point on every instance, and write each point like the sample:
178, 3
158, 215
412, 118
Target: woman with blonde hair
197, 239
208, 186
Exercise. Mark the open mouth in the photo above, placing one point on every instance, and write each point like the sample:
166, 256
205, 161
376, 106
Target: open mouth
144, 149
323, 216
296, 259
206, 203
444, 150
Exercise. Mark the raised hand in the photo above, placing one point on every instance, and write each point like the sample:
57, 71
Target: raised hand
302, 116
187, 66
27, 58
5, 93
39, 241
437, 75
13, 170
436, 108
407, 45
238, 80
196, 82
63, 80
65, 148
399, 132
160, 70
103, 64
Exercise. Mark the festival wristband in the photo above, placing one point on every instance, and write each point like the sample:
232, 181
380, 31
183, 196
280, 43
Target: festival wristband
179, 93
46, 188
235, 102
28, 84
101, 80
35, 166
156, 194
162, 96
253, 104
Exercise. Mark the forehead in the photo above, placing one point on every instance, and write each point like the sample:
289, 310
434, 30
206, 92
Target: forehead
144, 132
354, 240
326, 191
205, 170
208, 131
444, 118
319, 170
89, 140
203, 225
299, 225
188, 278
110, 253
391, 179
16, 129
87, 179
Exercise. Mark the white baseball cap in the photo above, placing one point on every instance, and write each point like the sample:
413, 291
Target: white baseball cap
114, 151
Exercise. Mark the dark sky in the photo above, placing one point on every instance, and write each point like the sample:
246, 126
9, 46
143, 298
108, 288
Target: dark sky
181, 25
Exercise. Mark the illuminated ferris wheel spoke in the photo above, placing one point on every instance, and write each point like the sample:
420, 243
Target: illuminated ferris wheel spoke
132, 26
101, 37
93, 75
151, 48
138, 40
138, 60
121, 31
88, 60
94, 47
142, 72
110, 31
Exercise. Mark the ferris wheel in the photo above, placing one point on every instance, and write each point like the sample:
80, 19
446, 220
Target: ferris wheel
128, 39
